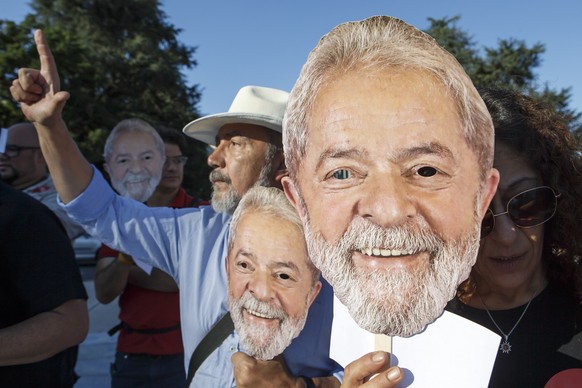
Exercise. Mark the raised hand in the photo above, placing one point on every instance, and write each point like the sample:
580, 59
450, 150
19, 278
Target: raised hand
42, 101
38, 91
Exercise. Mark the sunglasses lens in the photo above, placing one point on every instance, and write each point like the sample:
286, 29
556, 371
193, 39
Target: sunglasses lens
487, 224
532, 207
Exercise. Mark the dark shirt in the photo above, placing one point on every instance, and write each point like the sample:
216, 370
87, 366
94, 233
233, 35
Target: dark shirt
546, 341
38, 273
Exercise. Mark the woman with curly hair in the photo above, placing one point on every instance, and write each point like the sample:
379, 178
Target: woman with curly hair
526, 284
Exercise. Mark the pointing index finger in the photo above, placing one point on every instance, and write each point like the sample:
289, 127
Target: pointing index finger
48, 67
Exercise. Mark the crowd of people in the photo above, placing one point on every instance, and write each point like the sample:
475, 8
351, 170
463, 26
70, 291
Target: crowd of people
384, 178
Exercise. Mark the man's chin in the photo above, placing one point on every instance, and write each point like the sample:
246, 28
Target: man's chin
7, 180
225, 203
402, 323
141, 192
7, 174
254, 340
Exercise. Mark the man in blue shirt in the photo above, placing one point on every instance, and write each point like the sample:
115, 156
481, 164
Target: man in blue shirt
191, 244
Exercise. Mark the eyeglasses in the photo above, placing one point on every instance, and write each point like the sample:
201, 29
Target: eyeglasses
527, 209
13, 151
180, 159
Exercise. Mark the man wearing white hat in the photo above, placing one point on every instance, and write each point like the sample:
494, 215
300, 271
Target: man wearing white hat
247, 143
189, 244
248, 152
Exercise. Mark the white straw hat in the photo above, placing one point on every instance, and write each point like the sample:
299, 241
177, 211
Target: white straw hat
252, 105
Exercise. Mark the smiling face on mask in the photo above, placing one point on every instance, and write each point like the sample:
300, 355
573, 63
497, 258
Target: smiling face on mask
271, 284
390, 194
135, 165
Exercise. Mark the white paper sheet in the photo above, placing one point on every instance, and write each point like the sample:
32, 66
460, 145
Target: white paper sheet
450, 352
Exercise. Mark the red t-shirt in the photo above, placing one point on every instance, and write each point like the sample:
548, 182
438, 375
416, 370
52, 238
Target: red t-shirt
144, 309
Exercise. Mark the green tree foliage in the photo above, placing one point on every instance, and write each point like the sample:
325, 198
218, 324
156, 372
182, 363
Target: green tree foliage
511, 64
118, 59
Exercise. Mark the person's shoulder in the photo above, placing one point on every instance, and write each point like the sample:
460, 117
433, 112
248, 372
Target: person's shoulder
208, 218
23, 212
44, 187
555, 293
13, 199
208, 213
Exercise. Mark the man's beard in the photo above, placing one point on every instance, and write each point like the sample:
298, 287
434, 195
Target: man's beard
394, 302
259, 341
140, 192
228, 200
9, 175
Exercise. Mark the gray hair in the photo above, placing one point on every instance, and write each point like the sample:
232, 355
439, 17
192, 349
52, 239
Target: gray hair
271, 153
132, 125
268, 201
376, 44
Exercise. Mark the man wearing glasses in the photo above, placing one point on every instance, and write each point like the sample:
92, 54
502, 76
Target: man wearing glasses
23, 167
140, 160
170, 189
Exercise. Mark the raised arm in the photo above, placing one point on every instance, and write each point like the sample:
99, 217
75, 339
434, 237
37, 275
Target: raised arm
42, 102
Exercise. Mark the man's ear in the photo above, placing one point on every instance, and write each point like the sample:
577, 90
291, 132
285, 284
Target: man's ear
280, 170
292, 194
314, 291
106, 168
489, 191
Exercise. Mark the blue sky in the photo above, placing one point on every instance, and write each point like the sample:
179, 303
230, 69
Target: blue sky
253, 42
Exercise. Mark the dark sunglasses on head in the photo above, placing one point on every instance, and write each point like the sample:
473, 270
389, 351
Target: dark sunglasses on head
527, 209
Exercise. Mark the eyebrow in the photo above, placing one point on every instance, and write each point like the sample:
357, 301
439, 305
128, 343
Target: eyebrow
430, 148
284, 264
125, 154
245, 253
227, 135
341, 153
278, 264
